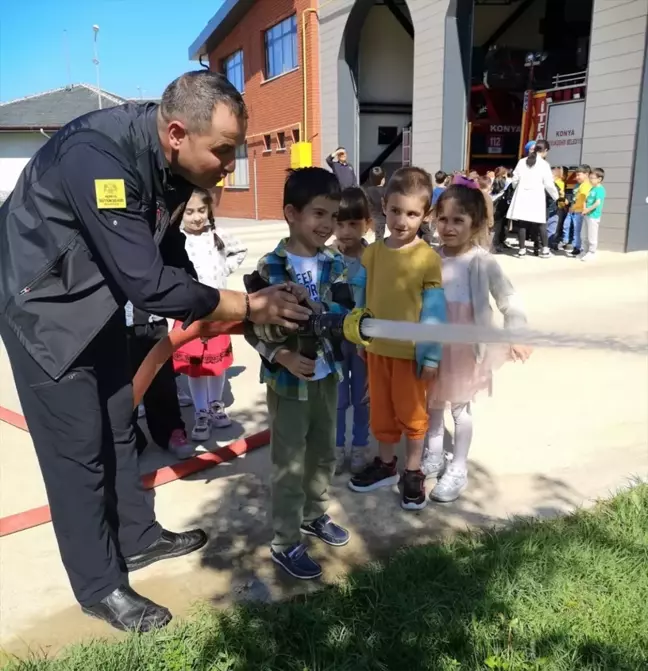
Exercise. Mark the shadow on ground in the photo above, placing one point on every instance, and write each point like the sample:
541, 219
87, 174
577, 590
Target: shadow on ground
238, 522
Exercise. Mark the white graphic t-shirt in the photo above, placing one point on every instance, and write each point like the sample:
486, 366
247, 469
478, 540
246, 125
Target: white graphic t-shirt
306, 273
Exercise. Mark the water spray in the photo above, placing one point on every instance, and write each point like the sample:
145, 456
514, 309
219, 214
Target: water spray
360, 327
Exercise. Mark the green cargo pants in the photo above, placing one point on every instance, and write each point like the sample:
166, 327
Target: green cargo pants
302, 449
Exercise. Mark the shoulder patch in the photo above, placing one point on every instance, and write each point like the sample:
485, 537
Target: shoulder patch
111, 194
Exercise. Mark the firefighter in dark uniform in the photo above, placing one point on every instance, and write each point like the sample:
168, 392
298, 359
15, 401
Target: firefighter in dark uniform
85, 230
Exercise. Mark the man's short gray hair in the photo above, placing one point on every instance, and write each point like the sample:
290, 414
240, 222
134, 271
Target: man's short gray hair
191, 98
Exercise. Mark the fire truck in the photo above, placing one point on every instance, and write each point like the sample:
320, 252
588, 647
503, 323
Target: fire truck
557, 114
502, 122
495, 124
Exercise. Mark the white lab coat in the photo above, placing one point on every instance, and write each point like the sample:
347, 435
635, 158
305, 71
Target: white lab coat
529, 202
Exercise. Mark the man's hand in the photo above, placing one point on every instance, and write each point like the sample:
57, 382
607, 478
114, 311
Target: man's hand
429, 374
303, 296
297, 364
520, 352
277, 305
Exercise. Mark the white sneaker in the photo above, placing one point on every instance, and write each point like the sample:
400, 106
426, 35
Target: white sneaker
450, 485
545, 253
184, 400
219, 418
522, 252
588, 257
179, 446
202, 426
433, 463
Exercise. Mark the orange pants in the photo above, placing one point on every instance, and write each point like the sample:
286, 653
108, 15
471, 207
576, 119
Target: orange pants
396, 399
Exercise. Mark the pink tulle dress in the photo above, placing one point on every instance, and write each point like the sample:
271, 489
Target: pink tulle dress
461, 376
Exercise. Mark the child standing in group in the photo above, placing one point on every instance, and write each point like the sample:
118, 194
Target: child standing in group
375, 190
592, 214
352, 222
553, 206
440, 185
470, 277
215, 255
302, 393
403, 283
574, 220
485, 186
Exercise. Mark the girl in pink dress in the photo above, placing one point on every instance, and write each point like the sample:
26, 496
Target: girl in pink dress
215, 255
470, 277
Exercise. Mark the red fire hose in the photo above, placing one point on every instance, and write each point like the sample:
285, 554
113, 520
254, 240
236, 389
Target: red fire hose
162, 351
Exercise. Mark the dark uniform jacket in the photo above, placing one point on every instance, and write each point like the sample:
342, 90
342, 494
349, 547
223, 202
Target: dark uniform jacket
86, 229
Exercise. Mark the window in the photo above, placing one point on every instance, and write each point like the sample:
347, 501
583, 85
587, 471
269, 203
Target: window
233, 70
295, 135
281, 47
240, 178
267, 143
281, 141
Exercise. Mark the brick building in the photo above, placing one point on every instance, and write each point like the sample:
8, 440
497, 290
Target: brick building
260, 46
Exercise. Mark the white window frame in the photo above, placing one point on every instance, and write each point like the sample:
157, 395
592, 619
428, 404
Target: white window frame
234, 68
280, 43
240, 178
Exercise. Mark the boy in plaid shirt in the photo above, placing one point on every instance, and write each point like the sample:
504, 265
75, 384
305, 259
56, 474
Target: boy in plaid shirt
302, 392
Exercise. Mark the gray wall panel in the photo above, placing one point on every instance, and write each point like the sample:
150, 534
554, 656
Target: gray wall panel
612, 106
428, 17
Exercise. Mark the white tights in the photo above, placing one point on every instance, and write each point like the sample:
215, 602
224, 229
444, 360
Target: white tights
206, 390
463, 421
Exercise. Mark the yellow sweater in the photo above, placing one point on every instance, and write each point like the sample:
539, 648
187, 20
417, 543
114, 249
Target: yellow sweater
581, 196
396, 279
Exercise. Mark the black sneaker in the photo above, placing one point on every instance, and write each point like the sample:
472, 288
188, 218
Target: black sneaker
413, 490
575, 252
297, 562
377, 474
326, 530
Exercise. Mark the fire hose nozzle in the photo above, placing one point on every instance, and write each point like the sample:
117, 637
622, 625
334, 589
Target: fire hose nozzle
339, 327
352, 326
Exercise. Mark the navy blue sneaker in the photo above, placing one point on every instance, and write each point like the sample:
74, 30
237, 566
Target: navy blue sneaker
297, 562
326, 530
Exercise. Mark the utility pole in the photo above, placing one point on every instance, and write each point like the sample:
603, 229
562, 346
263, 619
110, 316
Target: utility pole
95, 60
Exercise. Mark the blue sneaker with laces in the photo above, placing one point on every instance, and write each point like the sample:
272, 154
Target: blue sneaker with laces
297, 562
326, 530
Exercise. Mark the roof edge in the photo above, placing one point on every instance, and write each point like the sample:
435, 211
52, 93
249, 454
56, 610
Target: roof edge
104, 94
199, 47
36, 129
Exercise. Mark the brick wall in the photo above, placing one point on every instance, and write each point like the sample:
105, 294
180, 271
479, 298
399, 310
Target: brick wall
274, 105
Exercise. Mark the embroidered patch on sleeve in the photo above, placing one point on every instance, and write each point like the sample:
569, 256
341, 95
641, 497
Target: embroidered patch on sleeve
111, 194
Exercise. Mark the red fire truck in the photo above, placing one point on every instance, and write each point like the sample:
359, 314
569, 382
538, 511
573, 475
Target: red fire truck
495, 126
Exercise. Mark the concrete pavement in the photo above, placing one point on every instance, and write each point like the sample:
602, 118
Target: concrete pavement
567, 427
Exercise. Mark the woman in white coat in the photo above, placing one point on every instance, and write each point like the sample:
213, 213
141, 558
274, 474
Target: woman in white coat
532, 179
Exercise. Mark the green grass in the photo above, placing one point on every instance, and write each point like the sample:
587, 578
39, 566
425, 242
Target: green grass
566, 594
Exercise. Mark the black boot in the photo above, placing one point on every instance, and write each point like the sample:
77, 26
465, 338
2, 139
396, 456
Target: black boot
167, 546
126, 610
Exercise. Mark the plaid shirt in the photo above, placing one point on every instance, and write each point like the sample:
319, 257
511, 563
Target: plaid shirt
276, 268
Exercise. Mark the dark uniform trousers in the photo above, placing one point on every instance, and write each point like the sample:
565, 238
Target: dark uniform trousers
163, 415
85, 442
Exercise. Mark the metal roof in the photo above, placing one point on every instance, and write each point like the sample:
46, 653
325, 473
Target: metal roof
53, 109
220, 25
